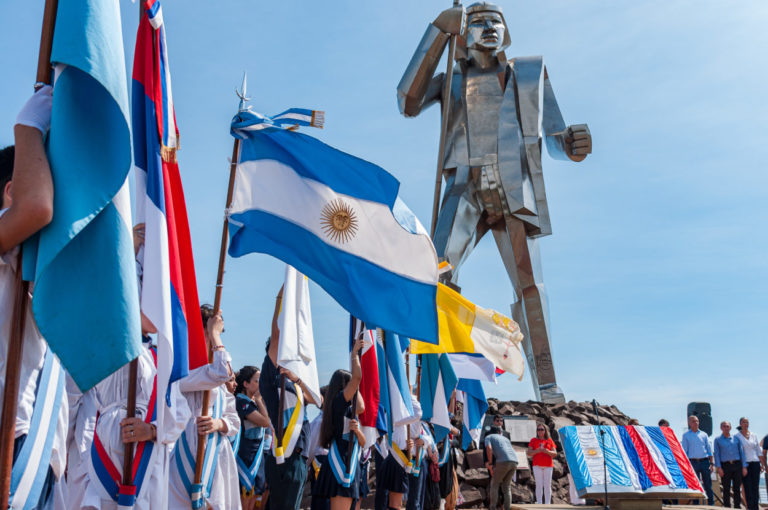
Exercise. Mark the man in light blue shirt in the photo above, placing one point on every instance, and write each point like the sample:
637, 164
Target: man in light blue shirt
699, 452
731, 464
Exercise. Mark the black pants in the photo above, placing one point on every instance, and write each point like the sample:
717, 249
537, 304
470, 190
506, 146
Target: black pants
732, 478
381, 496
286, 481
752, 485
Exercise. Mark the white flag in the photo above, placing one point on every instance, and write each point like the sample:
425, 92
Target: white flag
296, 350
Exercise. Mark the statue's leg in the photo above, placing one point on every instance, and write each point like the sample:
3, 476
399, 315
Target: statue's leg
523, 264
459, 225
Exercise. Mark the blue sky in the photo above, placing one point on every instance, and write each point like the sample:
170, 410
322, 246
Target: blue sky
656, 272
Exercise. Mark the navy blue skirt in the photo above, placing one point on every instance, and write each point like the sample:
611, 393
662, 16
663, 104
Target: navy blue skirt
393, 476
326, 485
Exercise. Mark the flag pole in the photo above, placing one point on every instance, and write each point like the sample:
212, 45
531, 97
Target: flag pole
133, 374
220, 275
350, 444
21, 296
443, 128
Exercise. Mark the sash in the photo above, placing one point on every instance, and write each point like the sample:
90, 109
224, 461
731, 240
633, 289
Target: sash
416, 463
109, 475
283, 447
316, 466
185, 460
31, 466
445, 453
401, 457
338, 463
246, 473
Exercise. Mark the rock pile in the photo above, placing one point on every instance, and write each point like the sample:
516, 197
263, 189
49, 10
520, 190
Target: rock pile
474, 483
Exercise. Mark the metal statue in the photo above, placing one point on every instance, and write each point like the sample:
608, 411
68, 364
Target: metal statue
491, 161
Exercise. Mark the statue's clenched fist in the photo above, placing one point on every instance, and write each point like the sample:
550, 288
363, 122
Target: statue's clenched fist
578, 142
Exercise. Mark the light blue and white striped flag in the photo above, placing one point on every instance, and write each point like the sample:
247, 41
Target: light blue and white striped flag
86, 300
337, 219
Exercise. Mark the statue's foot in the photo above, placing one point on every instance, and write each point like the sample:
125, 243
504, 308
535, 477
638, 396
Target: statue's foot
552, 394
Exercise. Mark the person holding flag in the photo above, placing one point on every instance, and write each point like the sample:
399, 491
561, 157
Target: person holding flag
218, 488
26, 204
339, 477
286, 394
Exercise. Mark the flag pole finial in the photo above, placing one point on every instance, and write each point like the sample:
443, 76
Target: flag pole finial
242, 93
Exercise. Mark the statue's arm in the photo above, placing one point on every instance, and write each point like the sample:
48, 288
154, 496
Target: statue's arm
418, 88
563, 142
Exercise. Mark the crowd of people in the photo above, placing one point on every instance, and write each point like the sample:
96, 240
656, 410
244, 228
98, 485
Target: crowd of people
260, 448
737, 458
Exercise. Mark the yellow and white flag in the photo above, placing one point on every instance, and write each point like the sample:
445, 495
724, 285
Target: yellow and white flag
468, 329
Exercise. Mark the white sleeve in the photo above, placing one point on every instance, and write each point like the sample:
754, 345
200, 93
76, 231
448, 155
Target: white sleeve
209, 376
229, 413
175, 417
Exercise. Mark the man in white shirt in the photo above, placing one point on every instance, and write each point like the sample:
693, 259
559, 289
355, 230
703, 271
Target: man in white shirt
26, 195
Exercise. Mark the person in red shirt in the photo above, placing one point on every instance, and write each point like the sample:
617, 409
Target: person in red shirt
542, 449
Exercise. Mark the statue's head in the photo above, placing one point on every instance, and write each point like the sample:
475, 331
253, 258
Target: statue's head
486, 28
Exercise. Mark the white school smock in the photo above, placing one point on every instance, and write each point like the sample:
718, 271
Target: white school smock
225, 489
31, 363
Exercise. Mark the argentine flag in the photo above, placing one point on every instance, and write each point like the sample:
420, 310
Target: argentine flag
337, 219
86, 301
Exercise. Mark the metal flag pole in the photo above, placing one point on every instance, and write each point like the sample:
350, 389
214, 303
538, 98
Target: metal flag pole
220, 275
443, 128
21, 297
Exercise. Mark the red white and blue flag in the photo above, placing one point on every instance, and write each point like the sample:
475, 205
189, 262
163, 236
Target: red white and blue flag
637, 459
169, 290
369, 384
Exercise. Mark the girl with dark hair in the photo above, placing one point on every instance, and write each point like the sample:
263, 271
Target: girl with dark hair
543, 450
334, 481
249, 446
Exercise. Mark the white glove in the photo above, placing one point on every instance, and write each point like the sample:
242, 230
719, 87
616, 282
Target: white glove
36, 112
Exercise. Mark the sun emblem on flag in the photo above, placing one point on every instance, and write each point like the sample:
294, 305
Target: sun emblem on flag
339, 221
592, 452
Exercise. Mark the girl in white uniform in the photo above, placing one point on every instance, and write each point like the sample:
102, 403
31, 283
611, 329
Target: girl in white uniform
220, 488
101, 431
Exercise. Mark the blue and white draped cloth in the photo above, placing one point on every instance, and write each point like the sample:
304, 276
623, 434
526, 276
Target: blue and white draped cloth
185, 460
32, 463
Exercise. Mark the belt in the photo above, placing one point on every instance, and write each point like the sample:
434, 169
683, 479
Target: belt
730, 462
703, 458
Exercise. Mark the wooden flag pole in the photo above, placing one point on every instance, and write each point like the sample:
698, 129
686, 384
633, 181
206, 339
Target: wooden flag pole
350, 444
217, 296
133, 374
21, 297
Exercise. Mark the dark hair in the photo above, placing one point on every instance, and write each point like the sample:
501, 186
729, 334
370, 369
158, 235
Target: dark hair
6, 170
244, 375
498, 417
339, 379
494, 430
663, 423
206, 312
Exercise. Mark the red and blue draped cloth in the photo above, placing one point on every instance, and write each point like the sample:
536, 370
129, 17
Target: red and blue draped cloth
371, 419
638, 459
110, 476
169, 290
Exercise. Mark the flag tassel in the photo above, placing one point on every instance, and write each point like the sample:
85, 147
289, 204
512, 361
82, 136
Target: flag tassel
21, 298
